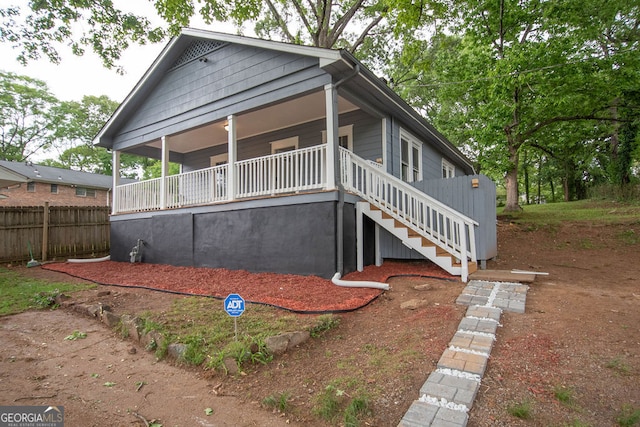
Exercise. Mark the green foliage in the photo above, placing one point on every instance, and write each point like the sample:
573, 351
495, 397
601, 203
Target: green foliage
278, 402
208, 332
564, 395
19, 293
76, 335
629, 416
592, 211
28, 118
327, 404
326, 322
357, 408
619, 366
520, 410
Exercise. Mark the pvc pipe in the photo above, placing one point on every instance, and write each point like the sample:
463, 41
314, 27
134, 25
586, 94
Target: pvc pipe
86, 260
358, 283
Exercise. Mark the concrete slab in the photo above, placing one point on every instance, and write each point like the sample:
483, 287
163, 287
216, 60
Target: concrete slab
502, 276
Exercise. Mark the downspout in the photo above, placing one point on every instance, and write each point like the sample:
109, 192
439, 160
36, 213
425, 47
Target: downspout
340, 205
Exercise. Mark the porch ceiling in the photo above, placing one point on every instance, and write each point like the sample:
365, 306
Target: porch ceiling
289, 113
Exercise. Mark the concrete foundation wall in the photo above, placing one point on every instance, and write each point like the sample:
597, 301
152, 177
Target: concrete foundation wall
295, 238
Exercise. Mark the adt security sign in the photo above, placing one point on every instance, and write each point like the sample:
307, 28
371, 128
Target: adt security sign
234, 305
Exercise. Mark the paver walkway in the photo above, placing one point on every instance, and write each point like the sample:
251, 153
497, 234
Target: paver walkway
448, 394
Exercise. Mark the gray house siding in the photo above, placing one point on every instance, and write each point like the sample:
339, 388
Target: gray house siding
366, 135
234, 79
292, 237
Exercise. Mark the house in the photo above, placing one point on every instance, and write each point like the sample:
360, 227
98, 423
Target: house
30, 184
294, 159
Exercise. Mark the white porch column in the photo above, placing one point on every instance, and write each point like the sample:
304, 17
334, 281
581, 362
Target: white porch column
377, 243
331, 99
359, 237
115, 171
233, 157
164, 172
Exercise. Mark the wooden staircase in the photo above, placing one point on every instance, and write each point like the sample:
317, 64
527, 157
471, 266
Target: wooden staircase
422, 223
414, 240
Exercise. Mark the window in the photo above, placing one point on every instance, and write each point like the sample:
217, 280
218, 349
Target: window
54, 188
448, 170
410, 158
220, 159
31, 187
85, 192
345, 137
284, 145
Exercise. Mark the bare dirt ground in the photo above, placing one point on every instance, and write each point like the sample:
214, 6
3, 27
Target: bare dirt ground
580, 334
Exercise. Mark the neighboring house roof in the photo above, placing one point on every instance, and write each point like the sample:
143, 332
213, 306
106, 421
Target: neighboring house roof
9, 177
339, 63
27, 171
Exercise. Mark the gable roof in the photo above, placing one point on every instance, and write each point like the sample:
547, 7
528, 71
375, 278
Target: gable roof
341, 64
27, 172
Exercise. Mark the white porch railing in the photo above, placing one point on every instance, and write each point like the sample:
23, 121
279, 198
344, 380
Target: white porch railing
288, 172
291, 171
435, 221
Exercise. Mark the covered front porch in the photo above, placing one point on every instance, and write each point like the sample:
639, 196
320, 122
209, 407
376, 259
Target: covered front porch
279, 149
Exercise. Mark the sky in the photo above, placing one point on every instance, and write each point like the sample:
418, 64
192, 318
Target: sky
77, 76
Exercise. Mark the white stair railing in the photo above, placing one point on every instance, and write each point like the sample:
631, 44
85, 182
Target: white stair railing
445, 227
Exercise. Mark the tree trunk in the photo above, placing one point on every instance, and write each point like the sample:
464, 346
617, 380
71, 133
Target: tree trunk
511, 181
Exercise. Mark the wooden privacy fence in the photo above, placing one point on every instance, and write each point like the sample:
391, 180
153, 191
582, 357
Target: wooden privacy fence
53, 232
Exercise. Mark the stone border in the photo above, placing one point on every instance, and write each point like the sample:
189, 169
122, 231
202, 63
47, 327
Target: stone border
448, 394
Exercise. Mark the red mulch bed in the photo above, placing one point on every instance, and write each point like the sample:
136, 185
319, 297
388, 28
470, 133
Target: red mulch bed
302, 294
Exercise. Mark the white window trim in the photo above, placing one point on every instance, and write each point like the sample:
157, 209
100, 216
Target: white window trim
449, 167
284, 143
342, 131
413, 142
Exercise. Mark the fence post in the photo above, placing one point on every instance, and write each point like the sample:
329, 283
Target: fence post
45, 231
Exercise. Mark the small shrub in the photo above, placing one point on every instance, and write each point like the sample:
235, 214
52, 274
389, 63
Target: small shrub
564, 395
279, 402
47, 299
328, 403
357, 408
520, 410
629, 416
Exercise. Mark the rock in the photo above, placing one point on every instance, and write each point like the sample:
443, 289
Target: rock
297, 338
277, 344
413, 304
176, 351
425, 287
134, 326
231, 365
133, 350
110, 319
103, 293
92, 310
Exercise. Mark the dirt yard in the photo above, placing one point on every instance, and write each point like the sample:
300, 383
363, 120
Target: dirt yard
579, 339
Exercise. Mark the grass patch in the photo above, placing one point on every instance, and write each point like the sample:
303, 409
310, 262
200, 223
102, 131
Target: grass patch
619, 366
208, 332
520, 410
325, 323
597, 212
565, 395
629, 416
343, 399
19, 293
278, 402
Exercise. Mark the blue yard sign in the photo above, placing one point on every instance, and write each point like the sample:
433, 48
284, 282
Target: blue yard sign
234, 305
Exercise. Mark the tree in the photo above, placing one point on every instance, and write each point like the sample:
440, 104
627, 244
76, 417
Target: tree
507, 72
27, 117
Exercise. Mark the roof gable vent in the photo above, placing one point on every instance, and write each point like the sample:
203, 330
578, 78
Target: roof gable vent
196, 50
